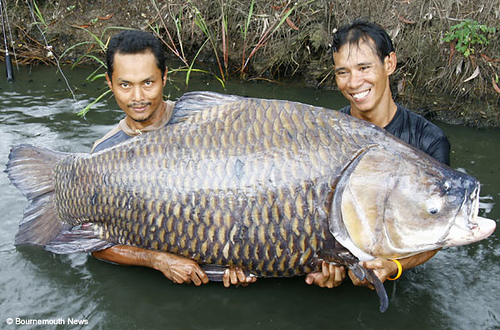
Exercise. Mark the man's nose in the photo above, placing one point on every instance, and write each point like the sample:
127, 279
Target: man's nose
355, 80
138, 94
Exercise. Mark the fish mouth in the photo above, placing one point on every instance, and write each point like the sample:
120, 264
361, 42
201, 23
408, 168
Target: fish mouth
483, 228
474, 228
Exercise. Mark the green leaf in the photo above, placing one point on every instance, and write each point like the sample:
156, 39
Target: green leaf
85, 110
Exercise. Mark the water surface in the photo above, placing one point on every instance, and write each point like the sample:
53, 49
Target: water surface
457, 289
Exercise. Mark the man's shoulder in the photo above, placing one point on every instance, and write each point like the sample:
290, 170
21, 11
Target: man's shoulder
104, 142
122, 131
419, 124
418, 131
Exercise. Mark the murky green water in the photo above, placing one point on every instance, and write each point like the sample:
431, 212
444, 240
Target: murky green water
458, 289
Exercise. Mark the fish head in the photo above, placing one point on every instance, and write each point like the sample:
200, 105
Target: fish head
397, 203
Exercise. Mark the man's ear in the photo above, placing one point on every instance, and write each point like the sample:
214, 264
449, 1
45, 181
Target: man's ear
108, 80
164, 79
390, 63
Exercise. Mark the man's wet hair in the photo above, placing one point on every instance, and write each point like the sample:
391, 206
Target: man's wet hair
135, 42
363, 31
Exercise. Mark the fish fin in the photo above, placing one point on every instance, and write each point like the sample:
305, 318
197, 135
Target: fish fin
339, 254
30, 169
364, 273
358, 271
39, 224
194, 102
379, 288
216, 272
77, 240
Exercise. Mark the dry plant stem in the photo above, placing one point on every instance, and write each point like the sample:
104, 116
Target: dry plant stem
170, 46
224, 39
285, 13
201, 23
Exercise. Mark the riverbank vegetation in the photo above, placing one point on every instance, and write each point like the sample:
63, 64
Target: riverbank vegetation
448, 50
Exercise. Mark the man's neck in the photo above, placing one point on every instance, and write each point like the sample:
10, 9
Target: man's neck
380, 116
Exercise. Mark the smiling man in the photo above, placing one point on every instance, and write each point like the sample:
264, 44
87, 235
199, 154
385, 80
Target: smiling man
364, 59
136, 76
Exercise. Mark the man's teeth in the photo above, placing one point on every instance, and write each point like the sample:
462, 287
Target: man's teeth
360, 95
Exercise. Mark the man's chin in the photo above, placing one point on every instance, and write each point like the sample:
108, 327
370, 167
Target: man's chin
141, 118
362, 105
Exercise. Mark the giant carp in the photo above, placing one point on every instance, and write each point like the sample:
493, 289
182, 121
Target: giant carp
271, 186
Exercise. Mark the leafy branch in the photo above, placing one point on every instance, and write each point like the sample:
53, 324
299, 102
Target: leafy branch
467, 35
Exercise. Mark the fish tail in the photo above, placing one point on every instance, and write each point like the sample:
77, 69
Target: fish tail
30, 169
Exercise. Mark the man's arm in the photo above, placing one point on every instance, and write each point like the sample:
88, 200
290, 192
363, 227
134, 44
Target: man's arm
385, 268
333, 275
176, 268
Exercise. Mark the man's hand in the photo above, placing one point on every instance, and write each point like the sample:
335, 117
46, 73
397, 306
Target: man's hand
330, 276
178, 269
236, 276
383, 268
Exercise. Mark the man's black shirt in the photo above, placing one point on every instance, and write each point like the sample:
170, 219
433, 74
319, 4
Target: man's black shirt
418, 132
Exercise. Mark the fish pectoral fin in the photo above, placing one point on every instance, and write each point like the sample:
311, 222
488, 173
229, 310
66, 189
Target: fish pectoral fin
368, 274
77, 240
345, 257
359, 271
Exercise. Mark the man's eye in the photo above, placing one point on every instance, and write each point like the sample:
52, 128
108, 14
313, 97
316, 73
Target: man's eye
124, 85
148, 83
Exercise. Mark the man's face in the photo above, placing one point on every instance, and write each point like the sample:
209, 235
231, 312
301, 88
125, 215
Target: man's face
362, 78
137, 84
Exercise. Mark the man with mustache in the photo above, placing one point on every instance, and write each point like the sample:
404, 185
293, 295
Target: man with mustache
136, 76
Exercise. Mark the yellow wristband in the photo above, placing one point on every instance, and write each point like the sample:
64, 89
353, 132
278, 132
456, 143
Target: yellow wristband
400, 270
